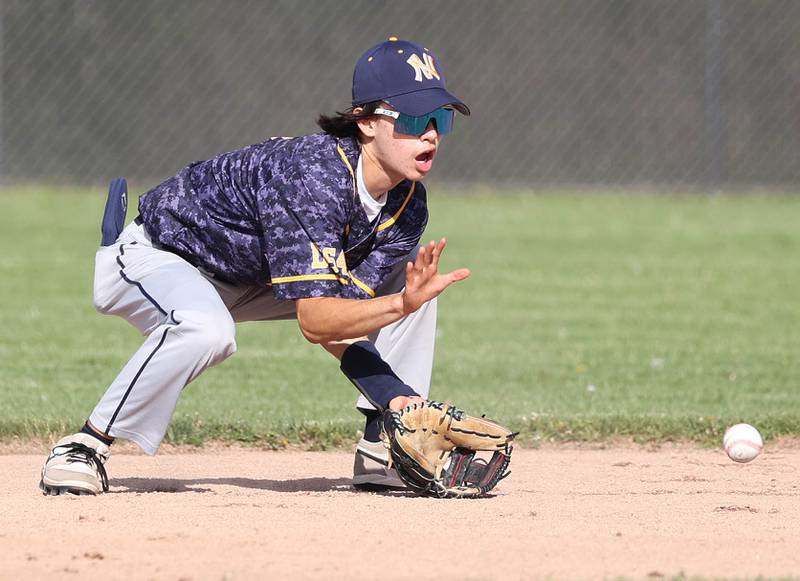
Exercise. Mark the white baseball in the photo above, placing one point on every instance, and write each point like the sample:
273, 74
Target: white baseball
742, 443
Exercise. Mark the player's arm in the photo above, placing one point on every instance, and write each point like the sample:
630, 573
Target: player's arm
330, 319
372, 376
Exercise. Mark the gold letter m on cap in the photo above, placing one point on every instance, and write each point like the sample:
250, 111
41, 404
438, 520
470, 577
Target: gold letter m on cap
423, 67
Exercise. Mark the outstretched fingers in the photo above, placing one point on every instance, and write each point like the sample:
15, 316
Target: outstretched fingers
436, 252
420, 261
426, 265
423, 279
429, 254
458, 274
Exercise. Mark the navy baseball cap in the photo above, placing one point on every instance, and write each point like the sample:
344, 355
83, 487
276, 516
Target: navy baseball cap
405, 75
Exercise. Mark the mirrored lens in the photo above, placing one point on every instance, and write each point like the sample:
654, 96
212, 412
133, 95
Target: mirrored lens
444, 120
418, 125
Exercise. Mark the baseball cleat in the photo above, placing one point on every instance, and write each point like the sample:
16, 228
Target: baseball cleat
371, 470
76, 465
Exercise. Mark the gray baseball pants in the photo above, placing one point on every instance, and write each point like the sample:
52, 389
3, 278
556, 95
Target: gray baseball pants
189, 320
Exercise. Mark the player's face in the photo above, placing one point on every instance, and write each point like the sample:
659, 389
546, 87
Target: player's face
409, 156
403, 156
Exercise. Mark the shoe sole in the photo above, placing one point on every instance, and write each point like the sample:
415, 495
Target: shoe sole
368, 481
76, 488
369, 487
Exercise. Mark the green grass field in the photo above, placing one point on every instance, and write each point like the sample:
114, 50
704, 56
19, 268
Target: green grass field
587, 316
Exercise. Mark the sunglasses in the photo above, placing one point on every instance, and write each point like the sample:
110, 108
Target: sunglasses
411, 125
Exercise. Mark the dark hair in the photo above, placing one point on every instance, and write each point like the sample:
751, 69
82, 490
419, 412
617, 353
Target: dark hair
344, 123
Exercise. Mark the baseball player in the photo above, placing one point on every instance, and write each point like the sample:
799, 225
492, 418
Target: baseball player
324, 229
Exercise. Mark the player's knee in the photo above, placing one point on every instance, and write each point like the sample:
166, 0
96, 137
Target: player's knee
103, 300
221, 339
210, 336
100, 305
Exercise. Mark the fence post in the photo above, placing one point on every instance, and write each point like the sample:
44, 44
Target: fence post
2, 86
715, 115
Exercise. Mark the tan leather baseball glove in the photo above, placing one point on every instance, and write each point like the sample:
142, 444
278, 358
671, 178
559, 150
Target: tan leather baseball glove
433, 448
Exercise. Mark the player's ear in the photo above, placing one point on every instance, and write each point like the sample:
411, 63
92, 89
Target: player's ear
365, 124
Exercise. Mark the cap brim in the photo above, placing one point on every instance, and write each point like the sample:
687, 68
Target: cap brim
426, 100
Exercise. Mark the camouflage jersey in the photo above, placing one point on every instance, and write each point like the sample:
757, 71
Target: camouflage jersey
285, 213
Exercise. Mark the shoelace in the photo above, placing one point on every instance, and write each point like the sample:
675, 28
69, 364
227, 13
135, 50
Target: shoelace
77, 452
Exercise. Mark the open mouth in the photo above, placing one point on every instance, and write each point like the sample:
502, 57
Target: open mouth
424, 161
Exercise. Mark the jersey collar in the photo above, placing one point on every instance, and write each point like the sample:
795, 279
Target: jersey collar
352, 150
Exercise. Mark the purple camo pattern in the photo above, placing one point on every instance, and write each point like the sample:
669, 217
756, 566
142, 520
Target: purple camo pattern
285, 212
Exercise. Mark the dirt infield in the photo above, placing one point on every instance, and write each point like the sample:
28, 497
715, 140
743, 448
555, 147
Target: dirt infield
564, 513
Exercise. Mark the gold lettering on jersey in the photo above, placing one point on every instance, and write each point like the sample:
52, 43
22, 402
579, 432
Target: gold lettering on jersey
341, 264
423, 66
329, 254
316, 259
328, 259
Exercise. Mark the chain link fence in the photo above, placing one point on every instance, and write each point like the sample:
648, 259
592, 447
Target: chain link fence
668, 93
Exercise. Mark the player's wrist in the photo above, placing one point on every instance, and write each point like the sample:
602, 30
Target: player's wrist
400, 304
363, 365
402, 401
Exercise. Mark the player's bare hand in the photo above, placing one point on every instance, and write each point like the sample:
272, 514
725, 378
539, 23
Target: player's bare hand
423, 279
403, 401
